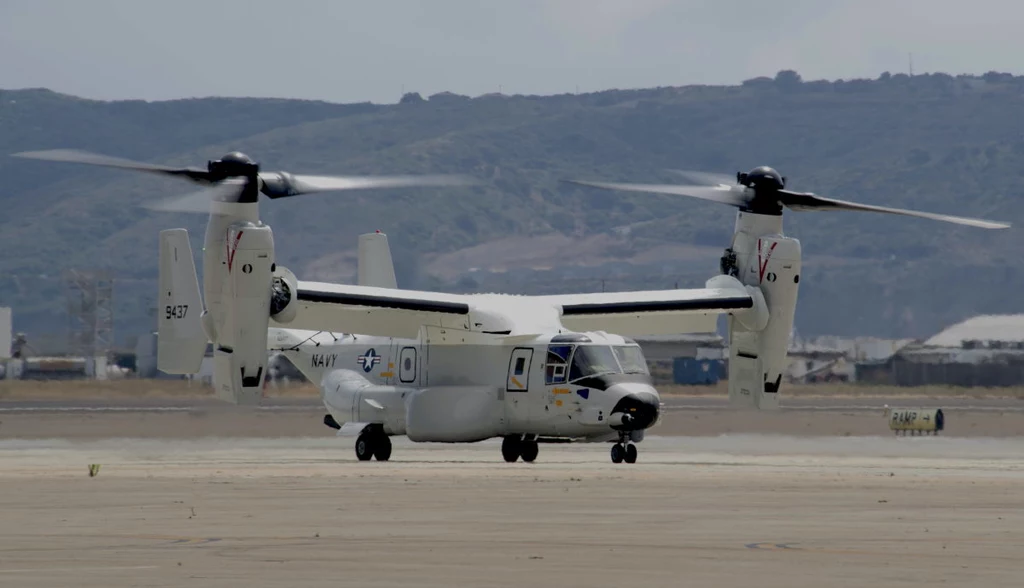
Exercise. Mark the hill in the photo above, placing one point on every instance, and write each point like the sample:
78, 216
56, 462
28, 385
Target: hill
933, 142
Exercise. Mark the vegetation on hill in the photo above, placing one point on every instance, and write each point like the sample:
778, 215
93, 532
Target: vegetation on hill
952, 144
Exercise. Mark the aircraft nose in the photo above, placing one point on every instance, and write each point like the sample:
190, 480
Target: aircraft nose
637, 409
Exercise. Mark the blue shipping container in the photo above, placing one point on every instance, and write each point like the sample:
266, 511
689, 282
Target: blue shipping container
688, 371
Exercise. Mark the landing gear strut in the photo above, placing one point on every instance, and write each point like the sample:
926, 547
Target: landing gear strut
624, 450
515, 446
372, 444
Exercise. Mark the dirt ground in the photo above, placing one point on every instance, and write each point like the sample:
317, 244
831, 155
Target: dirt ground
717, 512
191, 492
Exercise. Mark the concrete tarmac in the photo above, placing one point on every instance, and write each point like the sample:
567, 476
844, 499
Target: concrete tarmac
186, 418
718, 511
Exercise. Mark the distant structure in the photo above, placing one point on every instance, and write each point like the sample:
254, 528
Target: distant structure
685, 360
90, 296
983, 351
985, 331
834, 359
90, 312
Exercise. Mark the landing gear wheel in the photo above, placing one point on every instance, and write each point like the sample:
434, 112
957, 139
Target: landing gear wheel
511, 447
364, 447
529, 450
630, 456
618, 453
382, 448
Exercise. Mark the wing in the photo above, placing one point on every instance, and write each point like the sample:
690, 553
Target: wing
392, 312
652, 312
368, 310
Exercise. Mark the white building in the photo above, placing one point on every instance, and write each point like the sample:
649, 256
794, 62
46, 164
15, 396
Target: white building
985, 331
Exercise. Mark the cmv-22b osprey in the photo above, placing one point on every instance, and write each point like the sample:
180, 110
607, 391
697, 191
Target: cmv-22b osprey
463, 368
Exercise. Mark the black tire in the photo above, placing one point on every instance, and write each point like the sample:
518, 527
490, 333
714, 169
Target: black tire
364, 447
631, 453
511, 447
617, 453
382, 448
529, 450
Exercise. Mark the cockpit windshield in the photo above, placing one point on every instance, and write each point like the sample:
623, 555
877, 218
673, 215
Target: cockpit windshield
592, 360
631, 359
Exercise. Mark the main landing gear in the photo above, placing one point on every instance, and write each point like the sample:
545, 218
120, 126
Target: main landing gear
515, 446
372, 443
624, 450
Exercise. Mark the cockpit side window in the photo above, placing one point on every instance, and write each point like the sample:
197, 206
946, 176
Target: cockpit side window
557, 363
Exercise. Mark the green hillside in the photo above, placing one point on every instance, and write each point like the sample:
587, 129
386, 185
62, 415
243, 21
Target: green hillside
933, 142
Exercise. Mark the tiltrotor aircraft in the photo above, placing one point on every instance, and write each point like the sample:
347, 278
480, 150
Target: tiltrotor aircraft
463, 368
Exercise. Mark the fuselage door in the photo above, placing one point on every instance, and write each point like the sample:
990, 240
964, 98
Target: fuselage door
407, 362
519, 370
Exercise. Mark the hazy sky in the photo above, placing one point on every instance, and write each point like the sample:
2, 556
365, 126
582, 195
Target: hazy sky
347, 51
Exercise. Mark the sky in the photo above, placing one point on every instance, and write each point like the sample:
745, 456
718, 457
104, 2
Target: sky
374, 50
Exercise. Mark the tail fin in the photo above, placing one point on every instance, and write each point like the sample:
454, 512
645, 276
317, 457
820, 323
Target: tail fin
181, 341
375, 265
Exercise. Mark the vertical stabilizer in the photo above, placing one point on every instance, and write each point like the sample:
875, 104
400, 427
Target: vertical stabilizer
376, 267
181, 341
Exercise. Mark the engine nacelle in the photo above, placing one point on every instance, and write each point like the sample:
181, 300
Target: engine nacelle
454, 414
352, 398
238, 292
283, 296
770, 262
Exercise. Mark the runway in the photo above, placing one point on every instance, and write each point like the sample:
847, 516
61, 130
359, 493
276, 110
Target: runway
186, 418
708, 511
671, 403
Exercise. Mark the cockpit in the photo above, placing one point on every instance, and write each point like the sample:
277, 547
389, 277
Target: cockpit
570, 362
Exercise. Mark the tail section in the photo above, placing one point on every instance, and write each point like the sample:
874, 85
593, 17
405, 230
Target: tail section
376, 267
181, 340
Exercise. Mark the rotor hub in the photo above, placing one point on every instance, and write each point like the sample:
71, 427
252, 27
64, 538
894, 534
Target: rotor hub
765, 182
233, 165
761, 178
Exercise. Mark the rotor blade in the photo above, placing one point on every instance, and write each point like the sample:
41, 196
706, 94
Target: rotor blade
201, 200
74, 156
731, 195
281, 184
705, 178
807, 201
